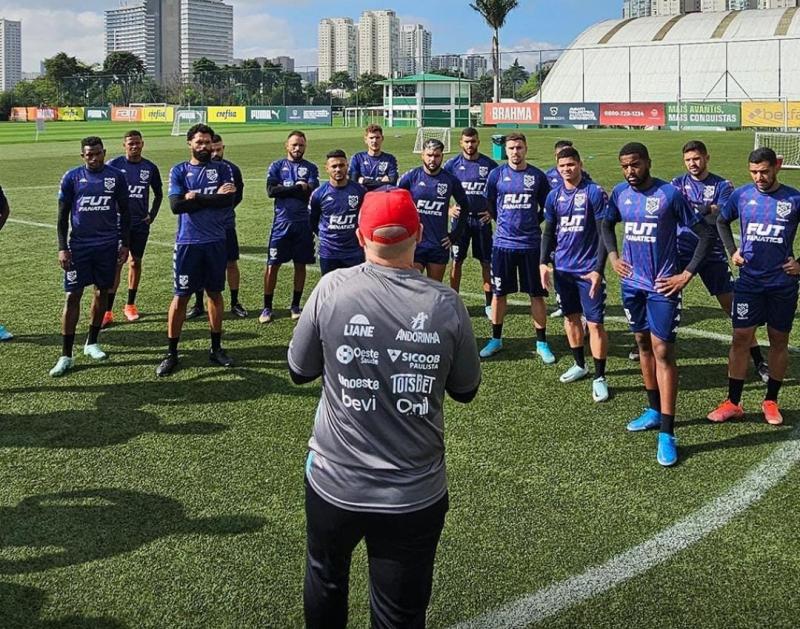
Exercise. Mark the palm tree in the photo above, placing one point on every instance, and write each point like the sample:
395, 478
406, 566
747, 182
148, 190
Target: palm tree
495, 13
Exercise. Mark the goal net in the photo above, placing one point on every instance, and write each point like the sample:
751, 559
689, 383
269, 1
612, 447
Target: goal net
786, 145
185, 118
432, 133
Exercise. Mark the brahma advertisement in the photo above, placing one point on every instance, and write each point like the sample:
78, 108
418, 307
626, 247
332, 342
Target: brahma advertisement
511, 113
633, 114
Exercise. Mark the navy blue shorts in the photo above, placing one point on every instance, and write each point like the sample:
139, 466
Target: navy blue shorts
326, 265
199, 266
510, 265
481, 238
232, 244
716, 276
139, 236
572, 294
291, 242
429, 255
91, 264
653, 312
754, 306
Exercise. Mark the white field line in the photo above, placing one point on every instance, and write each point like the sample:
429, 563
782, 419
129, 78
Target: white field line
658, 549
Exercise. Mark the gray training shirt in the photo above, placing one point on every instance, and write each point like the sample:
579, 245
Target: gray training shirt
387, 342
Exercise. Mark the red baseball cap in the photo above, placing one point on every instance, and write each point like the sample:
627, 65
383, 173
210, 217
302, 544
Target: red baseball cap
388, 208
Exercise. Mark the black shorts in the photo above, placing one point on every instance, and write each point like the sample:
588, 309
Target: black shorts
199, 266
232, 244
91, 264
139, 236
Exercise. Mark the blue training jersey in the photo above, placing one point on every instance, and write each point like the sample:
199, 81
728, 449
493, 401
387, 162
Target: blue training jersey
238, 181
373, 168
288, 173
473, 174
514, 198
140, 177
94, 199
432, 195
575, 214
767, 227
334, 216
650, 225
206, 224
700, 195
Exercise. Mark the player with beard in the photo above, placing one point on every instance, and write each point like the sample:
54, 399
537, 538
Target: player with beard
652, 280
472, 169
766, 291
141, 175
231, 237
373, 168
432, 190
201, 194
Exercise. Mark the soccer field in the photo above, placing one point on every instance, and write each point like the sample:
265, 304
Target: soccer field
131, 501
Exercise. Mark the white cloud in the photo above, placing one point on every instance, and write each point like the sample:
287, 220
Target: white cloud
262, 35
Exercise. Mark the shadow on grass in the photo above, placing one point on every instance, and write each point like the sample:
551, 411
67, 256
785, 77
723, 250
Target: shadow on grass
75, 527
21, 607
121, 410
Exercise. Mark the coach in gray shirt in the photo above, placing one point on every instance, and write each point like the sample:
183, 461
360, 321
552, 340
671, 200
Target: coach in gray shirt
388, 342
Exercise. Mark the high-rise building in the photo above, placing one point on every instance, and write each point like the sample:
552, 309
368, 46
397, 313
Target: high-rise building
447, 62
379, 43
475, 66
776, 4
206, 31
636, 8
415, 49
337, 47
674, 7
729, 5
287, 63
10, 53
170, 35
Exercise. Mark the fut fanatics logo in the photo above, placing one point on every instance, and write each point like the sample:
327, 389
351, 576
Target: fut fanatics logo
742, 310
482, 171
528, 181
709, 192
212, 176
784, 209
652, 205
109, 183
441, 189
144, 175
352, 201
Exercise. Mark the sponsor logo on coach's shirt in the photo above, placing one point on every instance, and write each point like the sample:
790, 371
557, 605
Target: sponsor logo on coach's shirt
359, 325
412, 383
345, 354
417, 333
416, 360
358, 404
412, 407
359, 383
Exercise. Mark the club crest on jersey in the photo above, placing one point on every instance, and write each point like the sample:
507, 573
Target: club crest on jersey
72, 276
352, 201
212, 176
528, 181
652, 204
144, 176
580, 199
109, 183
382, 166
742, 310
708, 193
441, 189
483, 171
302, 171
784, 208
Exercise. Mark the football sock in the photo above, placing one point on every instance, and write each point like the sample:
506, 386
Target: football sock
110, 302
735, 388
234, 296
198, 299
578, 356
497, 330
132, 296
268, 300
488, 296
756, 355
67, 341
94, 332
216, 341
541, 335
296, 295
173, 345
599, 367
668, 423
773, 386
654, 399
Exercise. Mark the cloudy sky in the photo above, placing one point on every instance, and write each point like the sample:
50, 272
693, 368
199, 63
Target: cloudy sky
289, 27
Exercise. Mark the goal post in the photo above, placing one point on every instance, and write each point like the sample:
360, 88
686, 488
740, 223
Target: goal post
186, 117
785, 145
432, 133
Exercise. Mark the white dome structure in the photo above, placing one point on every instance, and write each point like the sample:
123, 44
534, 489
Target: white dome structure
727, 55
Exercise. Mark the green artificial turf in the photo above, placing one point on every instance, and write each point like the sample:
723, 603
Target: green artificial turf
131, 501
